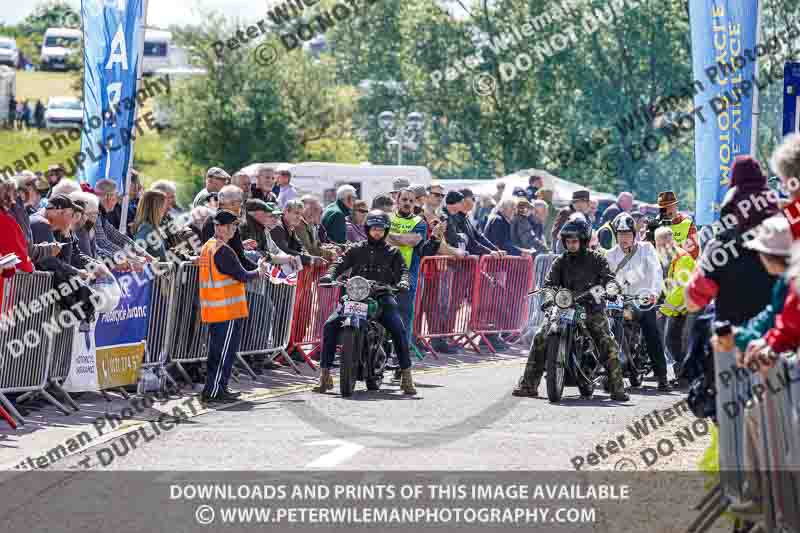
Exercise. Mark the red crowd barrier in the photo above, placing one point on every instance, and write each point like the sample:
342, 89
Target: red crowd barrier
312, 307
500, 296
443, 303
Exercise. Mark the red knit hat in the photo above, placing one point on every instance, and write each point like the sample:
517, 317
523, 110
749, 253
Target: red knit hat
85, 187
746, 174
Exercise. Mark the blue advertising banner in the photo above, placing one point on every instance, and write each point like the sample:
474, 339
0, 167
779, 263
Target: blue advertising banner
111, 40
723, 38
791, 92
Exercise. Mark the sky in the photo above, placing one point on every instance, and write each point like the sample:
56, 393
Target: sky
162, 13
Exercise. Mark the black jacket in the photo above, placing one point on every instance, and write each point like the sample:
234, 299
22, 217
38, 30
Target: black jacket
461, 230
376, 261
235, 243
288, 242
745, 287
498, 231
578, 273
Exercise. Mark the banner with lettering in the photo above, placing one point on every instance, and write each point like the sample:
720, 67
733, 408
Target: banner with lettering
112, 34
109, 353
723, 42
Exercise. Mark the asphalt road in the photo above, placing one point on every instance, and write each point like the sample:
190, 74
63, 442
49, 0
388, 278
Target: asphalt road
461, 419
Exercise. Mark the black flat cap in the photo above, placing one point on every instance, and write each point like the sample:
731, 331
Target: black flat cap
60, 201
453, 197
225, 217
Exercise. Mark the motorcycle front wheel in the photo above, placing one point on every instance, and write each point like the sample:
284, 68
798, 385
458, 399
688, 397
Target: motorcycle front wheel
556, 360
351, 355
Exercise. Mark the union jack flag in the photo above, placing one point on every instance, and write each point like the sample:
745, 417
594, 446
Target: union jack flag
277, 276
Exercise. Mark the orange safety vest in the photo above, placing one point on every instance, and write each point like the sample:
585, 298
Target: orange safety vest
222, 298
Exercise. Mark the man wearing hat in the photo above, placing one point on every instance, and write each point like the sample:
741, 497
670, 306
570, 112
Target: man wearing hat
421, 195
223, 304
580, 203
216, 179
55, 173
684, 230
398, 184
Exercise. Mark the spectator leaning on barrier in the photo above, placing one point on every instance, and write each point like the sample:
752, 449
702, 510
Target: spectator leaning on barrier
285, 237
727, 269
254, 226
12, 239
262, 188
85, 228
355, 223
230, 199
311, 232
677, 265
146, 226
498, 229
785, 162
469, 228
20, 211
287, 192
110, 242
773, 243
216, 179
684, 230
407, 233
335, 217
223, 304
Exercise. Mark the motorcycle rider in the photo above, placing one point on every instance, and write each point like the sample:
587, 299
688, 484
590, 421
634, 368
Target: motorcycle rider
577, 269
374, 260
638, 271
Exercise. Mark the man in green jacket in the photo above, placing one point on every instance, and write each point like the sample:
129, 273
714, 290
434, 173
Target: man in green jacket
334, 219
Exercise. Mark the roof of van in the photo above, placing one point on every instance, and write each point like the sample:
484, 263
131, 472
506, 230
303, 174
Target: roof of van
63, 32
8, 39
157, 35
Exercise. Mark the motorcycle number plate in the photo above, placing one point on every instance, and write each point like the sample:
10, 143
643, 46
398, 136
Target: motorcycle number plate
356, 309
614, 305
567, 315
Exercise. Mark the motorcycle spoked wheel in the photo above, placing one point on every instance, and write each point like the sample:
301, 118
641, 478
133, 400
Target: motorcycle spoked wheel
556, 367
379, 362
350, 356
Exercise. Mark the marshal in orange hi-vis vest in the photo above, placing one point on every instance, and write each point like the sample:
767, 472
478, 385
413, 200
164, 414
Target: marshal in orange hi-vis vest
222, 298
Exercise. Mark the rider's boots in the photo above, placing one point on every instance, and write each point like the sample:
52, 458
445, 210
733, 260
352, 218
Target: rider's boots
526, 390
663, 384
615, 383
325, 380
406, 382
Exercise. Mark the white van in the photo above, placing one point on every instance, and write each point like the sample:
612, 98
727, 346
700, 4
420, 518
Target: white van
368, 179
9, 54
58, 45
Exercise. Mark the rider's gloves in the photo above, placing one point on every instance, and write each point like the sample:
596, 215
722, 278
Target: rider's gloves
325, 280
403, 286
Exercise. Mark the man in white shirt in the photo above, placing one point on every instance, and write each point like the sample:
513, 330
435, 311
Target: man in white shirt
638, 271
283, 177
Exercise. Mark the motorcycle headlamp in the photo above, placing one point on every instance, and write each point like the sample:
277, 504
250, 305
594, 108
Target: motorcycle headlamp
564, 299
612, 288
548, 295
358, 288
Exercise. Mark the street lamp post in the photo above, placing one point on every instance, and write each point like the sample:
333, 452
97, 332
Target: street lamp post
404, 133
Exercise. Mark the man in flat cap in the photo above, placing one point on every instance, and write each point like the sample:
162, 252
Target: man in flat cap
398, 184
216, 179
223, 304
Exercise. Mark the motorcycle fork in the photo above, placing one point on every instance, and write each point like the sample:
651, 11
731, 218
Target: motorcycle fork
576, 364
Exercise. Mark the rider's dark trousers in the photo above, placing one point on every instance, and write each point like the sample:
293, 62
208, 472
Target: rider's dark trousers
652, 340
390, 319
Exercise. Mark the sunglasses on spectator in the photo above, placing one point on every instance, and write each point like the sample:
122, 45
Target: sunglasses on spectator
437, 194
362, 210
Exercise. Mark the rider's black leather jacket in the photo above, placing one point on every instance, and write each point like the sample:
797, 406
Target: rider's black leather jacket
579, 272
373, 260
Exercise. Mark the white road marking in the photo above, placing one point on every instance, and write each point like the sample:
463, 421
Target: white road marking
344, 451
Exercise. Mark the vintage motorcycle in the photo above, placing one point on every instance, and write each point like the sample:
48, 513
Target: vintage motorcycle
624, 320
364, 341
571, 355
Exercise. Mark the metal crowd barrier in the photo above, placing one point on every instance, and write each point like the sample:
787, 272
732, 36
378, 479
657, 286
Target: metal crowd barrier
24, 346
160, 327
541, 267
312, 307
500, 296
443, 304
268, 327
759, 441
189, 333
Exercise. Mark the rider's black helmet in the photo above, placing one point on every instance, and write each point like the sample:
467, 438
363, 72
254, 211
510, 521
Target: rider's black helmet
623, 222
376, 217
576, 227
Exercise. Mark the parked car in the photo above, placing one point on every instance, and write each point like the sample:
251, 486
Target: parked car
58, 46
63, 112
9, 54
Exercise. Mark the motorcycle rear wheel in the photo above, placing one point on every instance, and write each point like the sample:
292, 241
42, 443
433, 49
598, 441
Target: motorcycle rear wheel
556, 372
351, 354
